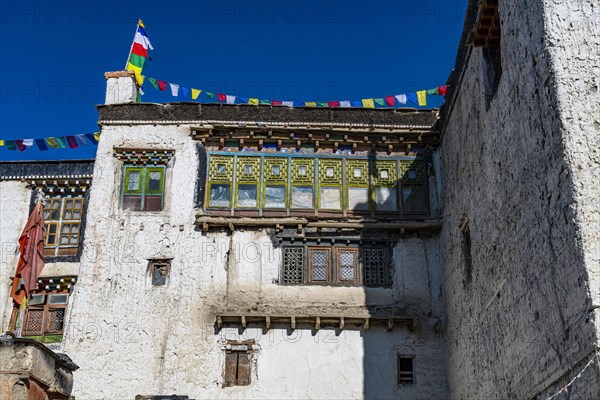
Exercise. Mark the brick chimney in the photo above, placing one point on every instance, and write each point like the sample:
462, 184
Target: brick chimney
121, 87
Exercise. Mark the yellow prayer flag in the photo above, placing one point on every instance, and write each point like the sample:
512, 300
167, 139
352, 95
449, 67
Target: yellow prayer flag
368, 103
140, 23
195, 93
140, 79
422, 96
131, 67
1, 143
52, 142
254, 102
310, 104
97, 136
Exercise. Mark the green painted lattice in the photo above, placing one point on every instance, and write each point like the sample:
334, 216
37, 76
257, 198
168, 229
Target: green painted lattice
330, 171
220, 169
413, 172
303, 170
357, 172
272, 166
386, 173
248, 169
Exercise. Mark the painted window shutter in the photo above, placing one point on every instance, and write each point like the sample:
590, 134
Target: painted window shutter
243, 369
230, 368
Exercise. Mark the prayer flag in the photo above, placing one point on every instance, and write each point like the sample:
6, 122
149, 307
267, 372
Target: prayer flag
356, 103
333, 104
1, 143
184, 92
401, 98
209, 94
288, 103
390, 101
162, 85
195, 93
20, 145
265, 102
153, 82
310, 104
442, 90
72, 142
322, 104
62, 142
230, 99
368, 103
52, 142
82, 140
174, 89
28, 142
254, 102
379, 102
243, 100
11, 145
92, 137
276, 102
422, 97
97, 136
412, 97
221, 97
41, 144
432, 91
345, 103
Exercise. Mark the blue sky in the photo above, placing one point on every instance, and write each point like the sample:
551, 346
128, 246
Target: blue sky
54, 54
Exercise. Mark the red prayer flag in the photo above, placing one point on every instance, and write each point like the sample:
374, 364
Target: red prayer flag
139, 50
442, 90
162, 85
20, 145
31, 259
72, 142
333, 104
221, 97
390, 100
276, 103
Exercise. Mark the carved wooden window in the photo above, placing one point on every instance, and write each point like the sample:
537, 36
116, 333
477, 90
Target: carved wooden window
237, 368
330, 184
302, 178
62, 220
414, 189
347, 266
339, 265
357, 185
375, 266
405, 368
319, 265
44, 317
247, 182
386, 184
220, 181
293, 265
275, 183
143, 187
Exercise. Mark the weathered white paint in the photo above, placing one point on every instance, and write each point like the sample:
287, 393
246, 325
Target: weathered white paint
131, 338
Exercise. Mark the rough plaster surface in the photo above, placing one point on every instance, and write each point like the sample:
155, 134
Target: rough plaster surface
526, 175
130, 338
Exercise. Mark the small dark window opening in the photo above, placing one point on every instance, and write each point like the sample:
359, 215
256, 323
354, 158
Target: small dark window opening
237, 368
159, 270
492, 71
466, 250
406, 374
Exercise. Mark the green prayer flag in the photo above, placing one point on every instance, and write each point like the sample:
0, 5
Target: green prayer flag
11, 145
152, 82
62, 142
209, 94
322, 104
379, 102
264, 102
432, 91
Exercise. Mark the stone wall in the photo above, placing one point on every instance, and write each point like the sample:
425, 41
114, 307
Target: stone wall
130, 337
525, 174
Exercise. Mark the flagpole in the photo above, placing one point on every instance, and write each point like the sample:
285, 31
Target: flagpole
132, 43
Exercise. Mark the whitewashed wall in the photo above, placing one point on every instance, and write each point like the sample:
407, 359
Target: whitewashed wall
130, 337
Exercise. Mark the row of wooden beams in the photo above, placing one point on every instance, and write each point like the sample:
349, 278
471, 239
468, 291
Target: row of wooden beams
316, 322
232, 222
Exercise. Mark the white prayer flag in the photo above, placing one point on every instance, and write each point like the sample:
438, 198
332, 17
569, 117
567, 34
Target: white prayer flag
174, 89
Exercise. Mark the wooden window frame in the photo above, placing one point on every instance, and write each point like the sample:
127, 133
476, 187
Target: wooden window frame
405, 377
387, 270
156, 264
143, 191
58, 249
357, 266
46, 308
328, 266
237, 368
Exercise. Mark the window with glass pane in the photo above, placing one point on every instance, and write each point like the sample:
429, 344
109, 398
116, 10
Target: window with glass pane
330, 198
220, 195
275, 182
320, 265
414, 194
44, 318
302, 197
247, 195
347, 261
62, 220
330, 184
357, 182
386, 199
143, 188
